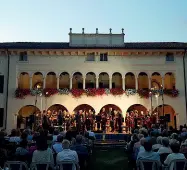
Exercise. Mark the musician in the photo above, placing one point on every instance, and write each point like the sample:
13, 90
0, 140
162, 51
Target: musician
98, 121
78, 120
119, 122
60, 118
127, 122
116, 120
103, 121
68, 121
112, 115
45, 122
87, 122
92, 118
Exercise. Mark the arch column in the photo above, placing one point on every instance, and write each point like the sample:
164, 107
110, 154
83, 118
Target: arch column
150, 79
123, 82
70, 83
84, 81
30, 82
136, 80
97, 81
44, 82
110, 81
58, 80
17, 82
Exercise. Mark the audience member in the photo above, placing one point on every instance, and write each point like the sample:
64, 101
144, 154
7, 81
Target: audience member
57, 147
165, 148
158, 145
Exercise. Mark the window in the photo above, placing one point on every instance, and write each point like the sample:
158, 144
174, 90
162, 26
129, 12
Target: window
1, 83
23, 56
170, 57
90, 57
103, 57
1, 116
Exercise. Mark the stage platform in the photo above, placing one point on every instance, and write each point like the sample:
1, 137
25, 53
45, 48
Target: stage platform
112, 137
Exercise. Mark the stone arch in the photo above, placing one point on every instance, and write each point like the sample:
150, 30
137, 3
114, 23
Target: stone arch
37, 80
143, 81
169, 112
117, 80
57, 107
90, 80
84, 107
137, 107
169, 80
130, 81
28, 110
104, 80
24, 81
64, 80
51, 80
156, 80
113, 106
77, 80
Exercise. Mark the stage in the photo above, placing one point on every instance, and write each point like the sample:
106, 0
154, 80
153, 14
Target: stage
112, 137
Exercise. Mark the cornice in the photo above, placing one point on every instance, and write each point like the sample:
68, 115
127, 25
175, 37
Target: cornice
84, 52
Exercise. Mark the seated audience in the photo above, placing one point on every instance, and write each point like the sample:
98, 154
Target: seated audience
14, 137
67, 154
22, 149
55, 134
183, 148
78, 147
174, 138
57, 147
43, 153
165, 146
158, 145
175, 147
148, 153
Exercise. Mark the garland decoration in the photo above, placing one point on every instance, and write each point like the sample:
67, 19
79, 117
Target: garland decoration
47, 92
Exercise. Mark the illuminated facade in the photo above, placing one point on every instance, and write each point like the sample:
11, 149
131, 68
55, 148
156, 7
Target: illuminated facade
94, 69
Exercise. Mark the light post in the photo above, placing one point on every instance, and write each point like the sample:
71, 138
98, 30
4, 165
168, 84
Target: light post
162, 94
151, 95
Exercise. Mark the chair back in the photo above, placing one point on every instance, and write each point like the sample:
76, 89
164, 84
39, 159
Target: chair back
179, 164
163, 157
16, 165
41, 166
148, 165
66, 165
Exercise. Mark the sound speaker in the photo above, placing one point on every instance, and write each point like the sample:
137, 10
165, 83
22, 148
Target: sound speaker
1, 116
167, 118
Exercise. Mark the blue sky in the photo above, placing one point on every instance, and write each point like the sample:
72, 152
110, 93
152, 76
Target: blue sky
50, 20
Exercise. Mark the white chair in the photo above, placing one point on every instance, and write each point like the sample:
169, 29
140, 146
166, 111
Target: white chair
41, 166
148, 165
16, 165
67, 165
178, 164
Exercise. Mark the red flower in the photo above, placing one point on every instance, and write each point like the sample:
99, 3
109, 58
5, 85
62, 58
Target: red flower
77, 92
49, 92
116, 91
143, 93
100, 91
21, 93
91, 92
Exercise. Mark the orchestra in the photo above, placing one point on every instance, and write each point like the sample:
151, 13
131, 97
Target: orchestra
107, 120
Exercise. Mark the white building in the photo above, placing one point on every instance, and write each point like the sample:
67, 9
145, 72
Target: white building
92, 61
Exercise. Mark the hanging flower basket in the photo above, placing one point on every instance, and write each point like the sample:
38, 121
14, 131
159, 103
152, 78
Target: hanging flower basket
77, 92
91, 92
143, 93
116, 91
171, 92
100, 91
21, 93
49, 92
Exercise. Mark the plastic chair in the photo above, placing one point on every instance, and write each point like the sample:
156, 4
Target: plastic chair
41, 166
67, 165
148, 165
179, 164
16, 165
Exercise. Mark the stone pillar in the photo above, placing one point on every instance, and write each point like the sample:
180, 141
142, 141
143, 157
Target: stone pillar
58, 80
44, 82
110, 82
97, 82
123, 83
136, 79
84, 82
150, 79
17, 82
70, 83
162, 82
30, 82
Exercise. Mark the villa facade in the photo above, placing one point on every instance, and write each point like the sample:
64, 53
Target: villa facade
93, 69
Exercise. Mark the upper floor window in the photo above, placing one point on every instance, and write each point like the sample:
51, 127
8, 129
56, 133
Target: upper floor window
23, 56
170, 57
1, 83
90, 57
103, 57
